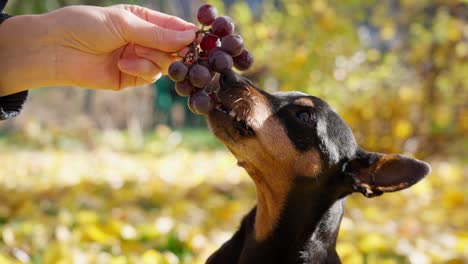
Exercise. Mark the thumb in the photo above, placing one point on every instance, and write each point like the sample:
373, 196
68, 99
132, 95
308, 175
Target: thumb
144, 33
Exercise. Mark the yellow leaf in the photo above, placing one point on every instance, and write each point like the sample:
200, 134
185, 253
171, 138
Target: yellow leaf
95, 233
388, 31
85, 217
373, 243
119, 260
152, 257
7, 260
57, 253
402, 129
373, 55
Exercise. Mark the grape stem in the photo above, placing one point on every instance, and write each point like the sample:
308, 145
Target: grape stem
203, 31
206, 32
193, 55
211, 35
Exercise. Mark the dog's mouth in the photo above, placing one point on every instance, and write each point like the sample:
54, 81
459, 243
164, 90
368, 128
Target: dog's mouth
233, 105
238, 121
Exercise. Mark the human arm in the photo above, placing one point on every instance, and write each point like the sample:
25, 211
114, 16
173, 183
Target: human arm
93, 47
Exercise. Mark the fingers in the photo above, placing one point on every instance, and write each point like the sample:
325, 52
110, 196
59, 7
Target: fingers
146, 34
161, 59
140, 68
160, 19
169, 22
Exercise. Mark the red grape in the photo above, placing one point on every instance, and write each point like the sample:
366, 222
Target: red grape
200, 76
208, 42
222, 26
243, 61
200, 103
232, 44
207, 14
219, 60
215, 49
184, 88
177, 71
206, 64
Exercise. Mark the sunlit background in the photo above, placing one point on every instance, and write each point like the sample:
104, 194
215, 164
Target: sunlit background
133, 177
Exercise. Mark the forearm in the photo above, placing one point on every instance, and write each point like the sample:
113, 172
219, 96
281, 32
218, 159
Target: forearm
27, 56
87, 46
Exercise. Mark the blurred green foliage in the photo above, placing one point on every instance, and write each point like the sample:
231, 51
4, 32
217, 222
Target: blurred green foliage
396, 70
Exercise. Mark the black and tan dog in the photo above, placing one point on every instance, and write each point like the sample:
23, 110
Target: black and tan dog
304, 161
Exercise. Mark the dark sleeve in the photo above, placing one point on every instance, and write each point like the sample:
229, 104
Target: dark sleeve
10, 105
2, 5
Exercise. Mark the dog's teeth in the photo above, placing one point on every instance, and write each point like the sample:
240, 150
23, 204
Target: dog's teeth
232, 113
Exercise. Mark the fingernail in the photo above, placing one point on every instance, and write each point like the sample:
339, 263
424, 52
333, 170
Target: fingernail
186, 36
158, 76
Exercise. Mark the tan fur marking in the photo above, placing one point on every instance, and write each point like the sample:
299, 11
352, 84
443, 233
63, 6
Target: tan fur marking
368, 176
381, 162
269, 160
260, 112
384, 159
308, 164
272, 162
393, 188
304, 101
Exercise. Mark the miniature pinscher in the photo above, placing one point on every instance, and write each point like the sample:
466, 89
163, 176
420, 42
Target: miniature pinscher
304, 161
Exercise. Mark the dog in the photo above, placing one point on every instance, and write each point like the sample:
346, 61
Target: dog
304, 161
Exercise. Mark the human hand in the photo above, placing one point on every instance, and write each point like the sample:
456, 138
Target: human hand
115, 47
93, 47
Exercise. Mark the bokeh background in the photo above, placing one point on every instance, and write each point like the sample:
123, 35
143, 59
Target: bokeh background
133, 177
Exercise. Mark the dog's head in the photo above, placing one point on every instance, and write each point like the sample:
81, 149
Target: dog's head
279, 137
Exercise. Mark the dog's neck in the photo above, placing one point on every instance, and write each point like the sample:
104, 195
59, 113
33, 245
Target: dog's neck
310, 223
297, 226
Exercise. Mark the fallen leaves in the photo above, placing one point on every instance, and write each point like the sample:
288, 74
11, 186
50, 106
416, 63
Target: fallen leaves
102, 206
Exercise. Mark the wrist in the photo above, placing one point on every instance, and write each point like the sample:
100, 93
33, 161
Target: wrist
27, 55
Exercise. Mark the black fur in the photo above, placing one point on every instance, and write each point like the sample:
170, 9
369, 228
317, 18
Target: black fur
306, 231
307, 228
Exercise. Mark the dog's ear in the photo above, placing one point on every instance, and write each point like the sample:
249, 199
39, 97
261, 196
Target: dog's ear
373, 173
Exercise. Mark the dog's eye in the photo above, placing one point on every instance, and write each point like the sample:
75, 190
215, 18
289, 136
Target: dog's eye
305, 116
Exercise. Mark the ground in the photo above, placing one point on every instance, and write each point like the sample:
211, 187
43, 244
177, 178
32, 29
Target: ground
176, 197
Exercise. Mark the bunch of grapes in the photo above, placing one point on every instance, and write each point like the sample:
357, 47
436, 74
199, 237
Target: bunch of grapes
218, 50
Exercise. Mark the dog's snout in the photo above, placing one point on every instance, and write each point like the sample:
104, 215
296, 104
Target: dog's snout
229, 78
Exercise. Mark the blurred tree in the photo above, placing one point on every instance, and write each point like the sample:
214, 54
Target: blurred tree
395, 69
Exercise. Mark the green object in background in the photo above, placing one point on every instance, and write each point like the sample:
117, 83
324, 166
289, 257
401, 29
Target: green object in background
163, 99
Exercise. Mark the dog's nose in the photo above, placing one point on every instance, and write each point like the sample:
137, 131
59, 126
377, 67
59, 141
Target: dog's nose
229, 78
